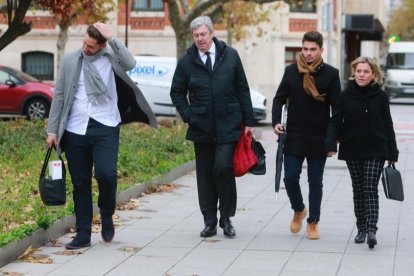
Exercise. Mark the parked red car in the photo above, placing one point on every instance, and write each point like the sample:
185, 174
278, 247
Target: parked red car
23, 94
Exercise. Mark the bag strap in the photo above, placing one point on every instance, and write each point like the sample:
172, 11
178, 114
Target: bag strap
46, 161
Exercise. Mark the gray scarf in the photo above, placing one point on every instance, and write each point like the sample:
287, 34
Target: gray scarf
95, 87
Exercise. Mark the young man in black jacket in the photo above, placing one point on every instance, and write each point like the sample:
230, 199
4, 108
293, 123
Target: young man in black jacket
211, 93
310, 88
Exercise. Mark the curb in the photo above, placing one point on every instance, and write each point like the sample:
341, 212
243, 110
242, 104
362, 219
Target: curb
11, 252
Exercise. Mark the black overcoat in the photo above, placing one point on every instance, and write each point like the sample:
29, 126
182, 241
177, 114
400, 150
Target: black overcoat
307, 119
214, 104
363, 125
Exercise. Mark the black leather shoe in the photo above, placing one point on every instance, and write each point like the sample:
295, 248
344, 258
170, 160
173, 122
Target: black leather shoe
78, 242
228, 229
108, 229
360, 237
208, 231
371, 240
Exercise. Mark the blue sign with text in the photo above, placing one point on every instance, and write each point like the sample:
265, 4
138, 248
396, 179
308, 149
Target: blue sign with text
149, 70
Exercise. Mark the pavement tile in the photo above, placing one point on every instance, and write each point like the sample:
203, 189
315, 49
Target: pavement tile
312, 263
367, 264
258, 262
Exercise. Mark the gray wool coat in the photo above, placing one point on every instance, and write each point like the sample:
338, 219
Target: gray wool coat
131, 102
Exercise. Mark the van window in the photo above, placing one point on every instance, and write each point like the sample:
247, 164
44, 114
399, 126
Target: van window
400, 61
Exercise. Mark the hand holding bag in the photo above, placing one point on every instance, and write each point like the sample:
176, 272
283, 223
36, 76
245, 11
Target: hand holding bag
244, 158
392, 182
52, 191
260, 167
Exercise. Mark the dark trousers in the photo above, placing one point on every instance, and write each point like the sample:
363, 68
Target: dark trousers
293, 169
216, 183
98, 148
365, 175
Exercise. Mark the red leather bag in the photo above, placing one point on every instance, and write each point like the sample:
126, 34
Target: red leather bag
244, 158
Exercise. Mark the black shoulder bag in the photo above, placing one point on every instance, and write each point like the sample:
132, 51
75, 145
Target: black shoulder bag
259, 151
52, 192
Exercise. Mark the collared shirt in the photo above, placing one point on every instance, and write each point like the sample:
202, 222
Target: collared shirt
107, 113
212, 51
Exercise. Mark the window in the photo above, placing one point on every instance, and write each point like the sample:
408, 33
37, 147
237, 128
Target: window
38, 64
292, 55
147, 5
308, 6
400, 61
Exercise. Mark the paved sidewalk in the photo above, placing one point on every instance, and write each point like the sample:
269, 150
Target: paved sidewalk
161, 237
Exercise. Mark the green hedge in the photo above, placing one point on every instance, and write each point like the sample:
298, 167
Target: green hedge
144, 153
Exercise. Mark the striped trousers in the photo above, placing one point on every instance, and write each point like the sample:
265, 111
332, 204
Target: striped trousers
365, 175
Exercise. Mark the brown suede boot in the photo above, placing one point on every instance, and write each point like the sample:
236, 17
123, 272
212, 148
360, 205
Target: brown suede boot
313, 231
298, 217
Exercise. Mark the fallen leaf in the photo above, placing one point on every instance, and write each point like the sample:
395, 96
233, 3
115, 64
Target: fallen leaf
37, 258
72, 230
211, 240
160, 188
134, 200
96, 219
7, 273
167, 187
27, 252
131, 205
68, 253
137, 217
53, 243
96, 228
129, 249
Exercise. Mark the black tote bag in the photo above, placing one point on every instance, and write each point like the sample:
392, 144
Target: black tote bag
259, 151
52, 192
392, 182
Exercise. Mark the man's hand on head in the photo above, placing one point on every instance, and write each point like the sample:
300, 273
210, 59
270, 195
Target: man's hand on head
104, 30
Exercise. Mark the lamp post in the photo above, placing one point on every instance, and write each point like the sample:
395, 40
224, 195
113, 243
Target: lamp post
329, 28
126, 22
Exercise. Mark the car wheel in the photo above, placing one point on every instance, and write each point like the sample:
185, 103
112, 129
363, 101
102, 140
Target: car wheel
36, 109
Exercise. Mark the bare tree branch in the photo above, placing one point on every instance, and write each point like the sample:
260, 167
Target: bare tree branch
184, 4
16, 11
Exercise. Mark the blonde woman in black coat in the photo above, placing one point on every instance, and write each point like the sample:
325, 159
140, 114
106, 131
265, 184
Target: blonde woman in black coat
363, 126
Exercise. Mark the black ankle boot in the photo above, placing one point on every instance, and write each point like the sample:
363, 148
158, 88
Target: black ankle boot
360, 237
371, 240
228, 228
108, 229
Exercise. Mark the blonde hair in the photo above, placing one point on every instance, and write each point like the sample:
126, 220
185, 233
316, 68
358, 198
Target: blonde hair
376, 71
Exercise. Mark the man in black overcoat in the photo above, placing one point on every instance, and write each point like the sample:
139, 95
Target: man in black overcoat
211, 93
310, 87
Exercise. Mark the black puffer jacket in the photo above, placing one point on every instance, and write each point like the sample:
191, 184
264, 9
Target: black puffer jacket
363, 125
218, 102
308, 119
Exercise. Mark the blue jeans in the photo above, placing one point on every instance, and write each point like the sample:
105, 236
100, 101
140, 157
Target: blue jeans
293, 169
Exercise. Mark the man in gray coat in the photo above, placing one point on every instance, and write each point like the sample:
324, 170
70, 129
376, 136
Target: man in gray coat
93, 95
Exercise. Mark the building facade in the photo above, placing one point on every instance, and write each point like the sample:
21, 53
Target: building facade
145, 27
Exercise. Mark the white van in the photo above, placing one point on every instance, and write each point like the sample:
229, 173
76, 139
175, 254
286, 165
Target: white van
153, 75
399, 74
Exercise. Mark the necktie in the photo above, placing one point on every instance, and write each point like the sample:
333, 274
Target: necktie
208, 62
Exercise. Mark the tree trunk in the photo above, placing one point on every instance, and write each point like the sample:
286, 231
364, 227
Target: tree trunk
183, 41
229, 32
61, 44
